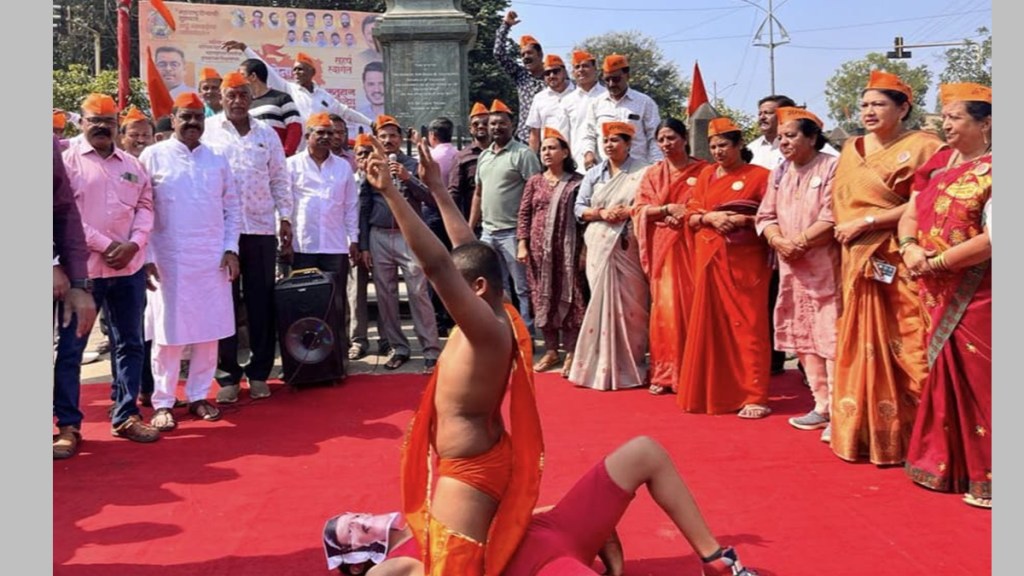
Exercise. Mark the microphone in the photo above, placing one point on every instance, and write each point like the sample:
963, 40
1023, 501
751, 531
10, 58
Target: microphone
394, 179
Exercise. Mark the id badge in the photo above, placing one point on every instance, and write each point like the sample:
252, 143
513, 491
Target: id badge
883, 271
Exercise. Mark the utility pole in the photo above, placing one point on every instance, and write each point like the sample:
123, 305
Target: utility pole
771, 22
899, 49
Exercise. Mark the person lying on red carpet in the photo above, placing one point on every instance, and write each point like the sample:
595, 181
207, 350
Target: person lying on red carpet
487, 480
556, 543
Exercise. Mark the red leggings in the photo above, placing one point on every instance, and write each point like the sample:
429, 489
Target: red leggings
565, 540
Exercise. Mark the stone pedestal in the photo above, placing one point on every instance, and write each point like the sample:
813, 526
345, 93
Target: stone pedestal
425, 44
699, 132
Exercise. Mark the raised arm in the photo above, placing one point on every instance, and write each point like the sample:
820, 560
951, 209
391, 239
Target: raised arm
473, 315
455, 225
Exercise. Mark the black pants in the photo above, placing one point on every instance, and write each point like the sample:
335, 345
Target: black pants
778, 358
253, 289
336, 267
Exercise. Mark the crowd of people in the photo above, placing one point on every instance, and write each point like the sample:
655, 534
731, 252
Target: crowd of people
638, 264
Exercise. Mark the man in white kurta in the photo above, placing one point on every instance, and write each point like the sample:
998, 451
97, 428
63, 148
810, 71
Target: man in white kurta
192, 260
546, 110
577, 102
621, 104
309, 97
326, 214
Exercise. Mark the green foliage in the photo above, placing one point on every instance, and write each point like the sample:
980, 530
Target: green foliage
747, 122
843, 90
487, 80
72, 85
649, 72
971, 62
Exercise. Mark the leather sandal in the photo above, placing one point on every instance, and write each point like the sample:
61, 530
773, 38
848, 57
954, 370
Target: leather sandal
548, 361
163, 420
396, 361
567, 365
205, 410
65, 442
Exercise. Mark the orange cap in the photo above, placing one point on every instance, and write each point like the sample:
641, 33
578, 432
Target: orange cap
362, 140
885, 81
320, 119
609, 129
478, 110
208, 74
304, 58
614, 62
189, 100
499, 106
234, 80
553, 61
581, 56
59, 120
964, 92
790, 113
550, 132
99, 105
385, 120
132, 114
526, 41
722, 125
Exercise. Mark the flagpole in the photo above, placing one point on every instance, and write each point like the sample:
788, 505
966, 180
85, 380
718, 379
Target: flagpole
124, 46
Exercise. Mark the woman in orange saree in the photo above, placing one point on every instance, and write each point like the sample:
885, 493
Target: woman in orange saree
727, 358
665, 251
945, 242
880, 358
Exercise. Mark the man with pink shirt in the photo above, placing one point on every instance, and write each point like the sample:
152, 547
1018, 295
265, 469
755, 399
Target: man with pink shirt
115, 198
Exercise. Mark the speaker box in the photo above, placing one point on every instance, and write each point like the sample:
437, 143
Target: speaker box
311, 350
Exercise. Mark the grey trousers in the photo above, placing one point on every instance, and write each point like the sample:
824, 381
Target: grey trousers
389, 252
358, 319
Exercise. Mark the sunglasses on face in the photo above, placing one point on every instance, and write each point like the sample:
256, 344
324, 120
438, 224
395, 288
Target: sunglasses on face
552, 72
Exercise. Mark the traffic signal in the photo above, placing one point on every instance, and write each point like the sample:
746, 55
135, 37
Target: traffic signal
898, 52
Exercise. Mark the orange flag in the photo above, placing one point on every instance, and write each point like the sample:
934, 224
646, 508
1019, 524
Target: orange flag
698, 95
162, 9
160, 101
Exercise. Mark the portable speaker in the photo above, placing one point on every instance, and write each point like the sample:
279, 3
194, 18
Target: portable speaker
311, 350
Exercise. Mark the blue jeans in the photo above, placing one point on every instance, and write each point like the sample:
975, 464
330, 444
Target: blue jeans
504, 241
123, 298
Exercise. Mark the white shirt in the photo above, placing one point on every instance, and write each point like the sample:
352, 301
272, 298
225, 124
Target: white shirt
258, 164
197, 218
767, 154
309, 103
546, 111
326, 204
575, 107
634, 107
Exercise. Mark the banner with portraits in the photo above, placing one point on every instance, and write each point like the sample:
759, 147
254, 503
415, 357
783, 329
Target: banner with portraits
348, 61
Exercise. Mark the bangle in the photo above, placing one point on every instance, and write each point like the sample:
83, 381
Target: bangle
806, 241
904, 241
664, 209
938, 263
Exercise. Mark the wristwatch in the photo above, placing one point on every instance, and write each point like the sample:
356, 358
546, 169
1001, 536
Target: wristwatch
82, 284
870, 221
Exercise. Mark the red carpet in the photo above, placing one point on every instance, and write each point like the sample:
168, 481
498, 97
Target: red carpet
249, 494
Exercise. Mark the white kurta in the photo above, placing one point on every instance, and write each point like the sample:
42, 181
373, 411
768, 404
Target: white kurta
326, 205
197, 218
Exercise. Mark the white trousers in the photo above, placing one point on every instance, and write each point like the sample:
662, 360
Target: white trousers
167, 367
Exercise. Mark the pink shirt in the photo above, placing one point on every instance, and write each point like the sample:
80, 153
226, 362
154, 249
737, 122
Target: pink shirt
115, 198
445, 155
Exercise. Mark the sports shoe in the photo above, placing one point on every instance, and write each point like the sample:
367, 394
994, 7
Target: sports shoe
136, 430
826, 434
810, 421
258, 389
228, 394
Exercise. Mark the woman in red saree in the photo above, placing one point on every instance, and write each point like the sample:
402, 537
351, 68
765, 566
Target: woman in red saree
880, 359
945, 243
665, 252
727, 358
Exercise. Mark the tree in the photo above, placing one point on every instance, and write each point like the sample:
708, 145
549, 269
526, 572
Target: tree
843, 90
649, 72
971, 62
746, 122
71, 85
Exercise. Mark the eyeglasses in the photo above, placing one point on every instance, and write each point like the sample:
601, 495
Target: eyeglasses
552, 72
175, 65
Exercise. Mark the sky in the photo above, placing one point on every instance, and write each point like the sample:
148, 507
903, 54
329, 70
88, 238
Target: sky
822, 34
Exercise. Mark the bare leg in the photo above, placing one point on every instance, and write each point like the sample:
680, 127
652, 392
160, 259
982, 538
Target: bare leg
643, 461
612, 557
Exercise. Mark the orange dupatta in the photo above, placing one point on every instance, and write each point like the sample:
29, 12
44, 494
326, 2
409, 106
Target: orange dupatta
516, 506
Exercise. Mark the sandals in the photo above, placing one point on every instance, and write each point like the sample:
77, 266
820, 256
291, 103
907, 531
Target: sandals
548, 361
396, 361
356, 351
163, 420
754, 412
725, 562
657, 390
973, 500
205, 410
567, 365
